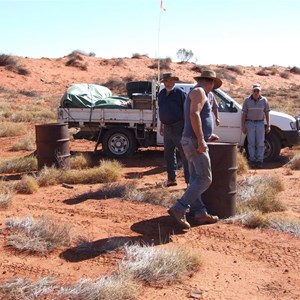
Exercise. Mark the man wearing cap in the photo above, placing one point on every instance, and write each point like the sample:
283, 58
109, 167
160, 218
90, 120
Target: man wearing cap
255, 111
198, 130
171, 104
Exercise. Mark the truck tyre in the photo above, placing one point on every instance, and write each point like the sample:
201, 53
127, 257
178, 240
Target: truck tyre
119, 142
272, 147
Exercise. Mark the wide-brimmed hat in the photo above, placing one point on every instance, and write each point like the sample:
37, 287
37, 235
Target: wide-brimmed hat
212, 75
256, 86
169, 75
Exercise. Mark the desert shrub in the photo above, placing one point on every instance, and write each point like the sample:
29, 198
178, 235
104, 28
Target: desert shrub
295, 70
136, 55
115, 85
128, 78
37, 236
262, 72
3, 89
164, 64
28, 93
284, 75
9, 129
7, 60
76, 61
235, 69
27, 185
18, 164
197, 68
78, 52
224, 74
184, 55
159, 266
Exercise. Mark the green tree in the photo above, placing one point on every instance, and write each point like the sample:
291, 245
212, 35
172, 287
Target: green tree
184, 55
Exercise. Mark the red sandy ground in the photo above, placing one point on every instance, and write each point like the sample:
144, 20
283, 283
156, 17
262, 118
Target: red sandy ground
238, 263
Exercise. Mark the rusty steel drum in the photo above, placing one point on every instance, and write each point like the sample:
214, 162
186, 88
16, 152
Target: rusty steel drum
52, 141
220, 197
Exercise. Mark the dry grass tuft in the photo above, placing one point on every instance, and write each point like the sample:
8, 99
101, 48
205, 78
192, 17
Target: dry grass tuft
294, 163
6, 195
108, 171
9, 129
284, 224
20, 288
37, 236
260, 193
118, 286
154, 196
27, 185
117, 190
81, 161
49, 176
250, 219
159, 266
18, 164
242, 164
26, 143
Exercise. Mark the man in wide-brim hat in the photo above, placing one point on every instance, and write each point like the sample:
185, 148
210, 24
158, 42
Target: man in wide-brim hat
169, 76
209, 74
198, 130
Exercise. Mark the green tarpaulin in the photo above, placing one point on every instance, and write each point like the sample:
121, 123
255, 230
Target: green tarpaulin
86, 95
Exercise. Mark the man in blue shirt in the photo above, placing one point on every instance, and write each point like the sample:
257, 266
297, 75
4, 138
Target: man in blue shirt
171, 106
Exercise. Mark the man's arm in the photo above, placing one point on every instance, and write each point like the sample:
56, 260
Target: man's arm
244, 116
268, 127
198, 99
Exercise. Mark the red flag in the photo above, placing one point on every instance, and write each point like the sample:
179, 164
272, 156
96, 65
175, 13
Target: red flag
162, 5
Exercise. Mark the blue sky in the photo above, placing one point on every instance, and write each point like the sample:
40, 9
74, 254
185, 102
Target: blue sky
232, 32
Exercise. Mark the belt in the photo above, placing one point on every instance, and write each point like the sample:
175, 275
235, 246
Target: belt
255, 120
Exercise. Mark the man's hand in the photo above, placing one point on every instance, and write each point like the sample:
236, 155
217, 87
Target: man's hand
202, 146
213, 138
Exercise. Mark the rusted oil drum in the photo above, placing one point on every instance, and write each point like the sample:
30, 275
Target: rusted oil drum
52, 141
220, 197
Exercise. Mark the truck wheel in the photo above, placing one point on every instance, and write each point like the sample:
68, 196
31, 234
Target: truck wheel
119, 142
272, 147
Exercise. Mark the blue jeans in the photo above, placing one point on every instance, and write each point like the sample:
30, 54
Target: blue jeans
200, 177
172, 137
256, 140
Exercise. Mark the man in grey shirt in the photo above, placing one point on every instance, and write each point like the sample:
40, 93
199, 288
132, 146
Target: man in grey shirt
255, 111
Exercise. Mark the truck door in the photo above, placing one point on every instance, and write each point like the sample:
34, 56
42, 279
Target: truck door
230, 113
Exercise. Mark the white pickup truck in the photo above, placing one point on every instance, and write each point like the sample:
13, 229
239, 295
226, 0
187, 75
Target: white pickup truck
121, 131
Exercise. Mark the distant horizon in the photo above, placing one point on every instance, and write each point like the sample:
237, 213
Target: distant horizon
232, 32
174, 61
